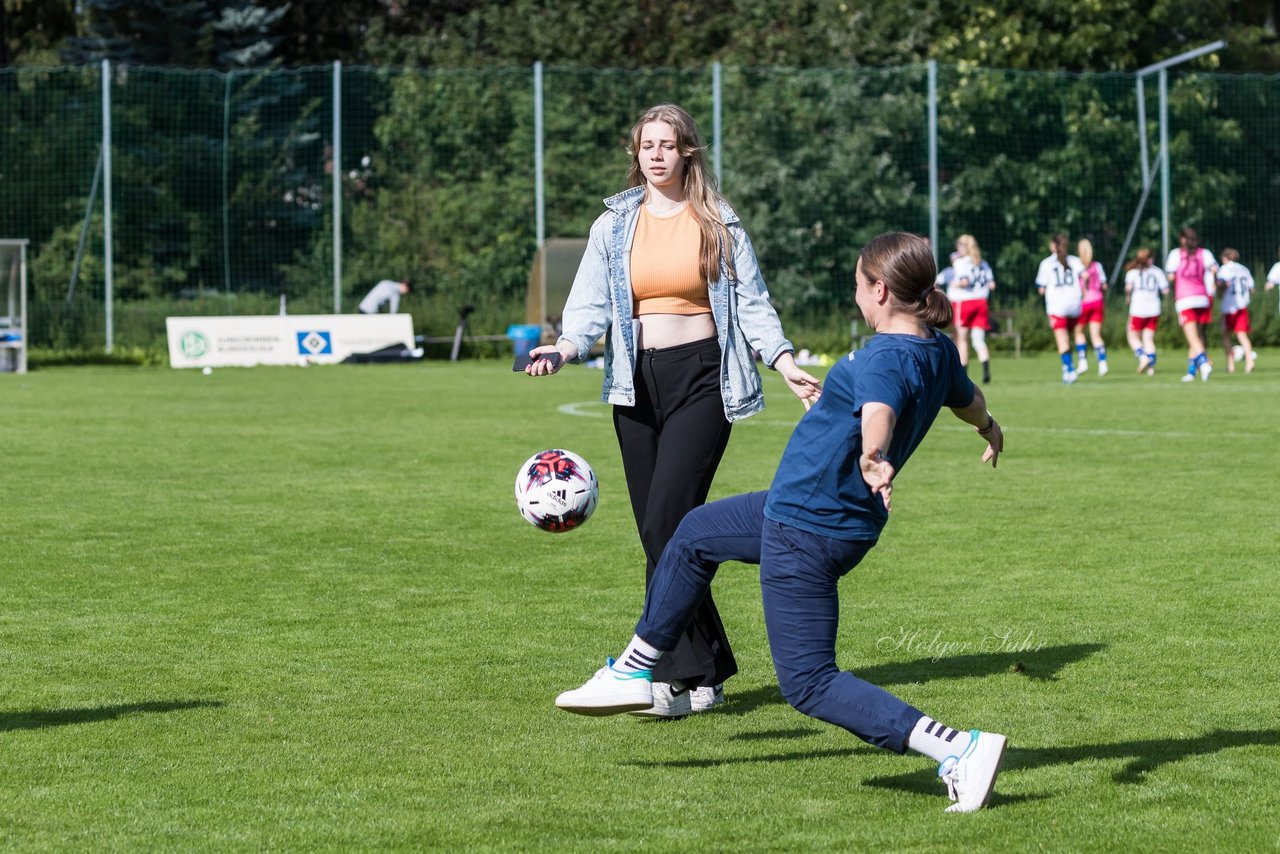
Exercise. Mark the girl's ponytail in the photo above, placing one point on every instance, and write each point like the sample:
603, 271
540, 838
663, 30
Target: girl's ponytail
936, 311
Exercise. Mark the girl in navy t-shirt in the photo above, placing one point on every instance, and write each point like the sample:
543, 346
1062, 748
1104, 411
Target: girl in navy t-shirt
824, 511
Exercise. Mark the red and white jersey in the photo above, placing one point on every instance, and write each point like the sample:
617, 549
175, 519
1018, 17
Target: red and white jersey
1192, 277
1094, 279
1146, 288
1239, 286
978, 276
1060, 284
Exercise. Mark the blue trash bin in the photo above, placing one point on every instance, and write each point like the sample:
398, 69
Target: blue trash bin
524, 337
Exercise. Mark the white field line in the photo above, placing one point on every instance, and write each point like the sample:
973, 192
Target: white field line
597, 409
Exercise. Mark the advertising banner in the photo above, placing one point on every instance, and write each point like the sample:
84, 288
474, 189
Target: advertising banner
242, 341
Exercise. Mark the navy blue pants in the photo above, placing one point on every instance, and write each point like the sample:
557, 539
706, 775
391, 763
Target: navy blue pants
799, 572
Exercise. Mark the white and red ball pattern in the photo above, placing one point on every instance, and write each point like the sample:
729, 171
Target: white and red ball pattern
556, 490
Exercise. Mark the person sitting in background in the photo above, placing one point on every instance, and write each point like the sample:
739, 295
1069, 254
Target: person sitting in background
386, 292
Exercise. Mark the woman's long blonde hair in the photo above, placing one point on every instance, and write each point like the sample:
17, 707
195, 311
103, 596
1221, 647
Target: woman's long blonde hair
1084, 250
968, 245
699, 185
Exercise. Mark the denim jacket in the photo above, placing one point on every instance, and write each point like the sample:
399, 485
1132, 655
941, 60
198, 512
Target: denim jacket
600, 304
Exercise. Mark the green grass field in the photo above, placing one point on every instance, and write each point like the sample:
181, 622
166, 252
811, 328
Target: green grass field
285, 608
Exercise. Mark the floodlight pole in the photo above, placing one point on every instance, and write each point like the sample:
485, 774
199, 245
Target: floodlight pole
1162, 155
1162, 69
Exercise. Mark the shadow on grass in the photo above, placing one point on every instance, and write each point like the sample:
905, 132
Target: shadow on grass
768, 734
41, 718
718, 762
1031, 664
1144, 757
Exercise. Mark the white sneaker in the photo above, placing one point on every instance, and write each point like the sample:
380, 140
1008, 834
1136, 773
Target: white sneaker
705, 699
1205, 370
1082, 366
666, 703
1144, 362
1068, 377
1188, 378
971, 776
1102, 368
610, 692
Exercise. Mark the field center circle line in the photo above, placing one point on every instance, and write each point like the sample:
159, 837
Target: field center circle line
577, 408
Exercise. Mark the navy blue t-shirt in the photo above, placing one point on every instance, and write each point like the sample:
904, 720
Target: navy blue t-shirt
818, 486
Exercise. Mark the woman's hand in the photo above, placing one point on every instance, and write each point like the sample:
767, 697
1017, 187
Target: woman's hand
802, 384
541, 367
995, 442
878, 472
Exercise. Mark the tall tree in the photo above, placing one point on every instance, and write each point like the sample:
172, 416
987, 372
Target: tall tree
191, 33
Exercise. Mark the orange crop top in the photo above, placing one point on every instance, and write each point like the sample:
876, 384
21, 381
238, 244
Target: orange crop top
665, 265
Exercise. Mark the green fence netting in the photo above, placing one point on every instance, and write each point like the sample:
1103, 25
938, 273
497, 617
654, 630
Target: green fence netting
223, 202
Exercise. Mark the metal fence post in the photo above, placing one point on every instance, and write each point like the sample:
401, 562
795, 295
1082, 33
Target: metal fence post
933, 156
1164, 163
106, 205
337, 188
717, 125
540, 198
226, 192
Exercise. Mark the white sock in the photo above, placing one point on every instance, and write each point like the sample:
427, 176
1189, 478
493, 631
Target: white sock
639, 655
937, 741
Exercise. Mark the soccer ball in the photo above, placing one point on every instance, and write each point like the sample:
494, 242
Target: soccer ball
1237, 353
556, 490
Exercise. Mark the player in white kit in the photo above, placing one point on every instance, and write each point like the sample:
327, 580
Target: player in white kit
969, 290
1144, 287
1058, 281
1236, 284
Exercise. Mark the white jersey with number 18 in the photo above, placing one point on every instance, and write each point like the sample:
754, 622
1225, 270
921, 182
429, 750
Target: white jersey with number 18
1061, 285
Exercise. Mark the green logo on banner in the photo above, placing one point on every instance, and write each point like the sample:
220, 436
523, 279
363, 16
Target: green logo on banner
193, 345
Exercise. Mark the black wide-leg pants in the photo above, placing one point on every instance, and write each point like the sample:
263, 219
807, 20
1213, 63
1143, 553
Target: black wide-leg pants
672, 441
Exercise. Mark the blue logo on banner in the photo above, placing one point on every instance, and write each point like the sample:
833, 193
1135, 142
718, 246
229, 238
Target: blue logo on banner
314, 344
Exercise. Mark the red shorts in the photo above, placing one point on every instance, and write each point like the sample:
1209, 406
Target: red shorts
1068, 323
1197, 315
1237, 321
971, 314
1137, 324
1091, 312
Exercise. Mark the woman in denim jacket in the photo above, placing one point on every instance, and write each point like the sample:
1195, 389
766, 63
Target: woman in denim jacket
670, 280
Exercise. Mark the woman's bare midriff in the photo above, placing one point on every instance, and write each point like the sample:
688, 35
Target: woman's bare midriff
659, 331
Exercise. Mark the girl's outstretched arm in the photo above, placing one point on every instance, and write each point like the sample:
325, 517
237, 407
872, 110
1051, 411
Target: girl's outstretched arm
877, 432
976, 414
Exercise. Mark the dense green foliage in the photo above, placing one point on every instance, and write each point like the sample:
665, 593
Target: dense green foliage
1049, 35
222, 179
223, 189
286, 609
